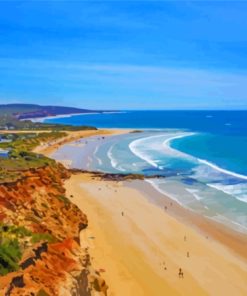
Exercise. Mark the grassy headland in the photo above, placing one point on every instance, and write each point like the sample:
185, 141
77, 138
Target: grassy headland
16, 116
21, 157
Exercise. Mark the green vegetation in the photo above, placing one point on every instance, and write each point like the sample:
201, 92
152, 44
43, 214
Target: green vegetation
34, 110
20, 156
12, 230
13, 241
10, 246
64, 199
11, 109
38, 237
10, 255
42, 293
28, 141
11, 114
8, 122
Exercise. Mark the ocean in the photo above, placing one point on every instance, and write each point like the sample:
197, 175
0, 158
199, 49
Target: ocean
201, 154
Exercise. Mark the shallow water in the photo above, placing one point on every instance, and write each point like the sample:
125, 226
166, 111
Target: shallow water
201, 153
197, 185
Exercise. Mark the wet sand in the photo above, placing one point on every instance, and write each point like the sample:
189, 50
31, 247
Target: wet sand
49, 148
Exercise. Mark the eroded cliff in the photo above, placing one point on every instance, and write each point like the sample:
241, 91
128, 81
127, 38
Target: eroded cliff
40, 252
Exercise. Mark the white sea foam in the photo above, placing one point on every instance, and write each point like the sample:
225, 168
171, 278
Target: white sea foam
224, 171
133, 146
239, 191
174, 152
97, 158
156, 187
224, 220
114, 162
89, 162
194, 192
42, 119
136, 147
205, 162
208, 169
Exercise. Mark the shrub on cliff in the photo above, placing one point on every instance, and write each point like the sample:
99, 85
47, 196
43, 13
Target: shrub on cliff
10, 255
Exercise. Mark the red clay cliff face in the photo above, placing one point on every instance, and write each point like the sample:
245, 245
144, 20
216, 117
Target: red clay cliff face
56, 264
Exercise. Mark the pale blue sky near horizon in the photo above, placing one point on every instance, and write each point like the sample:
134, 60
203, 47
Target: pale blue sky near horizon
124, 55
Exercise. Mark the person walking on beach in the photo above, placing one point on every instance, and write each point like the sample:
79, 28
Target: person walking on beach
180, 273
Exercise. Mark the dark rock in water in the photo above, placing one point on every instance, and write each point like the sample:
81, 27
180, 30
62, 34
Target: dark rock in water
116, 177
136, 131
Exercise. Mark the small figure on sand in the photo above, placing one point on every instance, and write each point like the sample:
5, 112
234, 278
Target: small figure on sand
180, 273
185, 238
188, 254
122, 213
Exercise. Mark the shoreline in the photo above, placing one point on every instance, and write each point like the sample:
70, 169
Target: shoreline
235, 240
41, 119
49, 148
216, 240
221, 233
141, 255
209, 228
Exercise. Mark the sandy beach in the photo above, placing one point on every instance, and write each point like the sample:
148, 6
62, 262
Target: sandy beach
139, 246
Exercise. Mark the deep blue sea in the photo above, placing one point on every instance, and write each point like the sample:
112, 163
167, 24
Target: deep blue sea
203, 155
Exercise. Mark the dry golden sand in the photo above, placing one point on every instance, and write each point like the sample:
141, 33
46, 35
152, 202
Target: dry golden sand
135, 248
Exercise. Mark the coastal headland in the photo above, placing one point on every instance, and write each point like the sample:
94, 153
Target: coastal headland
40, 251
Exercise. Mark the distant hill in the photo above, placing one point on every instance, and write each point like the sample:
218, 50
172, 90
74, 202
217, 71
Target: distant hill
23, 111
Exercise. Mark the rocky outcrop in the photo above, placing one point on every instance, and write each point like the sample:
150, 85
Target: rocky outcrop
44, 225
116, 177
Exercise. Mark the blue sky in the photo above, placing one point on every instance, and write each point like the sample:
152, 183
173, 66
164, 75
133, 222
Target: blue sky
124, 55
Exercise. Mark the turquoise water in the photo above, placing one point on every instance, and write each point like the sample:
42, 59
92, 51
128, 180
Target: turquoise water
221, 135
227, 151
203, 158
